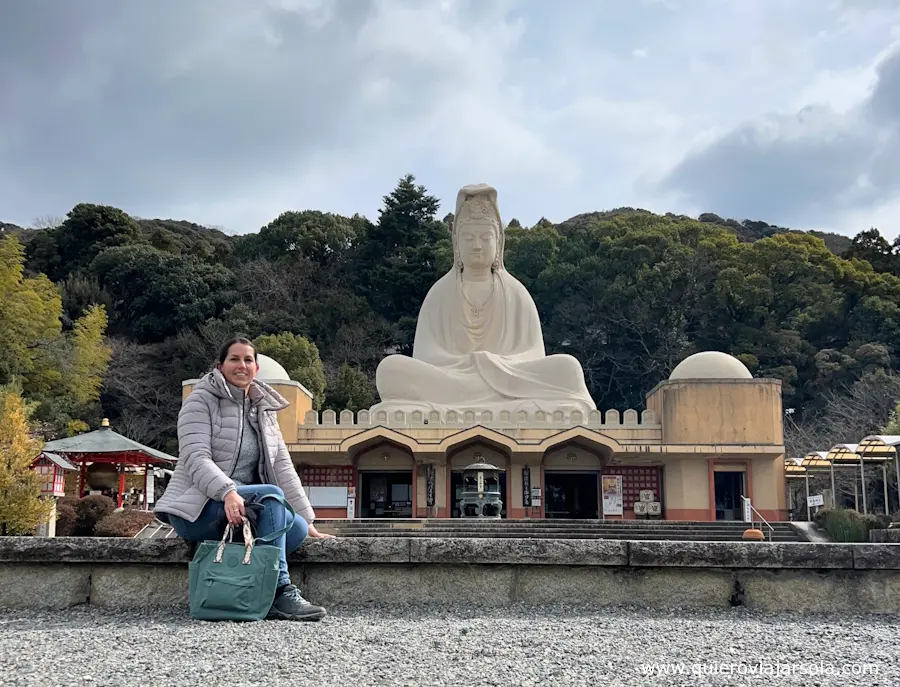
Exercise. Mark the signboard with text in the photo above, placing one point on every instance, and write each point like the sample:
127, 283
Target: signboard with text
611, 489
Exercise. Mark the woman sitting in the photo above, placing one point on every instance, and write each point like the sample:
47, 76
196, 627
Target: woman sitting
231, 449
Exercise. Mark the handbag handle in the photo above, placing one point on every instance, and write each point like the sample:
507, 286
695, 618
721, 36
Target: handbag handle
229, 534
269, 538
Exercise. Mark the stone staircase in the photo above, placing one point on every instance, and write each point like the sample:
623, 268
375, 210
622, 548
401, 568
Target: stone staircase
555, 529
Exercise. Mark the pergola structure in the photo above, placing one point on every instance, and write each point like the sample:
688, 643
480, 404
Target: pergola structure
816, 461
881, 447
110, 448
850, 454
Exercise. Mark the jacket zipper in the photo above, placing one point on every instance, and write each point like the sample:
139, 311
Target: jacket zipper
237, 451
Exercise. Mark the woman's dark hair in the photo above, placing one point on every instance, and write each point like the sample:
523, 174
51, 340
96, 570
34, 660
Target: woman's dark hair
223, 352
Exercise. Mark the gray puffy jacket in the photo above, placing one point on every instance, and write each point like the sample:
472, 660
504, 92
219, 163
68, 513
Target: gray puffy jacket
209, 427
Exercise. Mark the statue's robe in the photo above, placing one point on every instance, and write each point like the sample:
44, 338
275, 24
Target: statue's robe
494, 362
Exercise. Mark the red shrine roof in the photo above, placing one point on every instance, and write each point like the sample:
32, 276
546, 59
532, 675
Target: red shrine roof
58, 460
106, 446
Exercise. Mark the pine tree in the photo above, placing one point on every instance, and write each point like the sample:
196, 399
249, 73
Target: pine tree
21, 508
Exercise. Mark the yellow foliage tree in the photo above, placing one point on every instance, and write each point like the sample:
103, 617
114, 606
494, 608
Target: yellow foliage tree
62, 372
30, 324
21, 508
89, 355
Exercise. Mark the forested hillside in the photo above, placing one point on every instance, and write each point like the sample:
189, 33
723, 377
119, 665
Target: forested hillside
627, 292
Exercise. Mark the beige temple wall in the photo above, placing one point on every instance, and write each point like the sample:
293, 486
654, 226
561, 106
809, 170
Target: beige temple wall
686, 488
720, 411
557, 459
769, 492
384, 457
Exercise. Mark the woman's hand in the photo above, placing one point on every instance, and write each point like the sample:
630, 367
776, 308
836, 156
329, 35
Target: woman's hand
315, 534
234, 508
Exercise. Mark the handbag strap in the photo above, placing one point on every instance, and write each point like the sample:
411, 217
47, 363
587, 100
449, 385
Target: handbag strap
248, 542
269, 538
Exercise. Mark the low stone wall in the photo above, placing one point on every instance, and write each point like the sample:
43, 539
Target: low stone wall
888, 536
773, 577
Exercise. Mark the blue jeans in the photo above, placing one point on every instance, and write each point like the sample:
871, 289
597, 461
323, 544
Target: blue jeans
273, 518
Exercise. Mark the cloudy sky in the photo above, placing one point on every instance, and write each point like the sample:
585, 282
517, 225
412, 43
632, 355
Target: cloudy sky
228, 112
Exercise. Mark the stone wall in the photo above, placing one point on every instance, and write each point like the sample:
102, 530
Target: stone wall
771, 577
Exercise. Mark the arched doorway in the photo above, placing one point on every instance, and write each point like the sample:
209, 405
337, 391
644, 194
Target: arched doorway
572, 482
386, 482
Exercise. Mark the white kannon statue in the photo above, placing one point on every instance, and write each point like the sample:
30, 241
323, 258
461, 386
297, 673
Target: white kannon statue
478, 343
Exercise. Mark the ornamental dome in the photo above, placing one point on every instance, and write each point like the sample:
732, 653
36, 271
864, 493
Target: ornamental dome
270, 370
710, 365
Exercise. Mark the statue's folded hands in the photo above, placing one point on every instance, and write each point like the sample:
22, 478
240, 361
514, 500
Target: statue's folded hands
478, 343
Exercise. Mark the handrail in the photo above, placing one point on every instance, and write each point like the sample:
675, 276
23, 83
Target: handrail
762, 520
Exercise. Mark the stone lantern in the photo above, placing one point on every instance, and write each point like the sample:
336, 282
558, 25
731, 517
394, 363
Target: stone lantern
481, 491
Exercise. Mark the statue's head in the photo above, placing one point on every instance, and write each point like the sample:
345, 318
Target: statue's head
477, 230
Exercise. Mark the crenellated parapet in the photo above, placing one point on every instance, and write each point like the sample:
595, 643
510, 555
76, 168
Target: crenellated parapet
595, 419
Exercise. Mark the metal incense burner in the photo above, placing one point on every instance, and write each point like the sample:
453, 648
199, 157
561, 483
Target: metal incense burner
481, 491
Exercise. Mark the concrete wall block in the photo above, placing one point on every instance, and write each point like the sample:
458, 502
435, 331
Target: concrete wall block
51, 586
129, 586
811, 592
740, 555
488, 551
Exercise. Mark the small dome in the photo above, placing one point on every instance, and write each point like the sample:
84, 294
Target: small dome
270, 370
711, 365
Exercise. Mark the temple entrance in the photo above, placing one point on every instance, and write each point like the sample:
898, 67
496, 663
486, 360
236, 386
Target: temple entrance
572, 495
456, 486
729, 487
385, 494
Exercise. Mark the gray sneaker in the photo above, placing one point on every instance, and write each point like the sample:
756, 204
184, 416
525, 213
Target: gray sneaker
292, 606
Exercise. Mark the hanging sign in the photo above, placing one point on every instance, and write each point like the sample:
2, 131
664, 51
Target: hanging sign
429, 485
526, 486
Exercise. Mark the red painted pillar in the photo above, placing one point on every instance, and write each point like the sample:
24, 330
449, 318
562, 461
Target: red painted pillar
82, 480
121, 484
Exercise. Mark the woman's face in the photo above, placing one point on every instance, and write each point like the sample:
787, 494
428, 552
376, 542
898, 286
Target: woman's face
240, 365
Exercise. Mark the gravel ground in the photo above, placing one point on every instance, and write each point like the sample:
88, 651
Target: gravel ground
449, 646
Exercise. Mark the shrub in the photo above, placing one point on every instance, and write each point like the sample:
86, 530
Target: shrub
847, 525
91, 510
68, 501
124, 523
66, 519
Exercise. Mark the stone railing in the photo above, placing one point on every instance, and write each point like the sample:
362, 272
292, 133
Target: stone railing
487, 418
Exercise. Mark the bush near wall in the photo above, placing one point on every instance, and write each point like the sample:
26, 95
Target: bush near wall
88, 511
66, 519
124, 523
844, 525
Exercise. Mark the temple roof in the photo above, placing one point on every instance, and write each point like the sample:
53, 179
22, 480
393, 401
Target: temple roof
105, 445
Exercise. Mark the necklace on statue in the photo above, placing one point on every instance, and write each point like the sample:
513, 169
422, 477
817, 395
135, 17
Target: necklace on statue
478, 310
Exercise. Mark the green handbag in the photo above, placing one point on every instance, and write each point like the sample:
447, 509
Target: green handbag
229, 581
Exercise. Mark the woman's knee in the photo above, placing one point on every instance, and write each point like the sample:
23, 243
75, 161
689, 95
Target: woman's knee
301, 526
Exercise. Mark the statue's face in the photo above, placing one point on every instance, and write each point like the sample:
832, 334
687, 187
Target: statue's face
478, 244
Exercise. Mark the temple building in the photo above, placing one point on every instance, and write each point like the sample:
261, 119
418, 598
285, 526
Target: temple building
480, 388
709, 434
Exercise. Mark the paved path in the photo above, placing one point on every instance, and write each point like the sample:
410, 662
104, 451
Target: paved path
425, 646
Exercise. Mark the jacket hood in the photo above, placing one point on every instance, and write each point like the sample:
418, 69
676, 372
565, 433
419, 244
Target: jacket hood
261, 394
